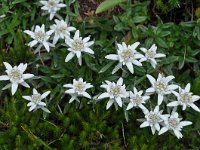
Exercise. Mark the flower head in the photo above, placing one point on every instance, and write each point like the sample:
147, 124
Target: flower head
61, 30
40, 36
153, 119
185, 98
175, 124
161, 86
151, 55
116, 92
126, 55
78, 88
36, 101
136, 99
16, 76
52, 6
77, 46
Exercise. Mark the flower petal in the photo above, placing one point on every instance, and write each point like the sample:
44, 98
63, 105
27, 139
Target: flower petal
7, 65
45, 94
103, 95
129, 65
163, 130
27, 76
151, 79
69, 56
14, 88
112, 57
144, 124
110, 102
4, 77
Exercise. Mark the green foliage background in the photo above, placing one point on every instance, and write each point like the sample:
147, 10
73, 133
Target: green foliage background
88, 125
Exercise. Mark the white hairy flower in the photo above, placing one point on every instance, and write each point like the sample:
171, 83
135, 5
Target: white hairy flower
161, 86
116, 92
77, 46
78, 88
36, 101
16, 76
40, 36
151, 55
126, 55
185, 98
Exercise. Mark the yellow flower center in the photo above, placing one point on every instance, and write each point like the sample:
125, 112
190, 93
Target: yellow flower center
15, 74
79, 87
36, 98
154, 118
127, 54
173, 122
116, 90
150, 54
78, 45
186, 98
40, 36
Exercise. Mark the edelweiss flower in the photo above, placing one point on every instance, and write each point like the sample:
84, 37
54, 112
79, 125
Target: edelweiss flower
185, 98
61, 30
16, 76
174, 123
127, 55
151, 55
115, 91
153, 119
52, 6
77, 46
78, 88
36, 101
41, 37
136, 99
160, 86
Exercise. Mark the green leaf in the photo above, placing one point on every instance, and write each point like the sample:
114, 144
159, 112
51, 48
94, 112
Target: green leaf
139, 19
106, 67
17, 1
107, 4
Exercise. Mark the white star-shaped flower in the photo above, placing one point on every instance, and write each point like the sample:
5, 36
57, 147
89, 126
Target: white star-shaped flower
116, 92
77, 46
126, 55
175, 124
185, 98
136, 99
52, 6
151, 55
78, 88
161, 86
16, 76
40, 36
36, 101
153, 119
61, 29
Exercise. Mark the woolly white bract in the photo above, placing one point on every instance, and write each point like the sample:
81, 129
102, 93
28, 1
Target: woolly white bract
36, 101
16, 76
61, 30
151, 55
77, 46
175, 124
153, 119
116, 92
161, 86
52, 6
40, 36
126, 55
78, 88
136, 99
185, 98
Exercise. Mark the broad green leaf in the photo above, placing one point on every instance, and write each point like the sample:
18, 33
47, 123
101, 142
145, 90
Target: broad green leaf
139, 19
107, 4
